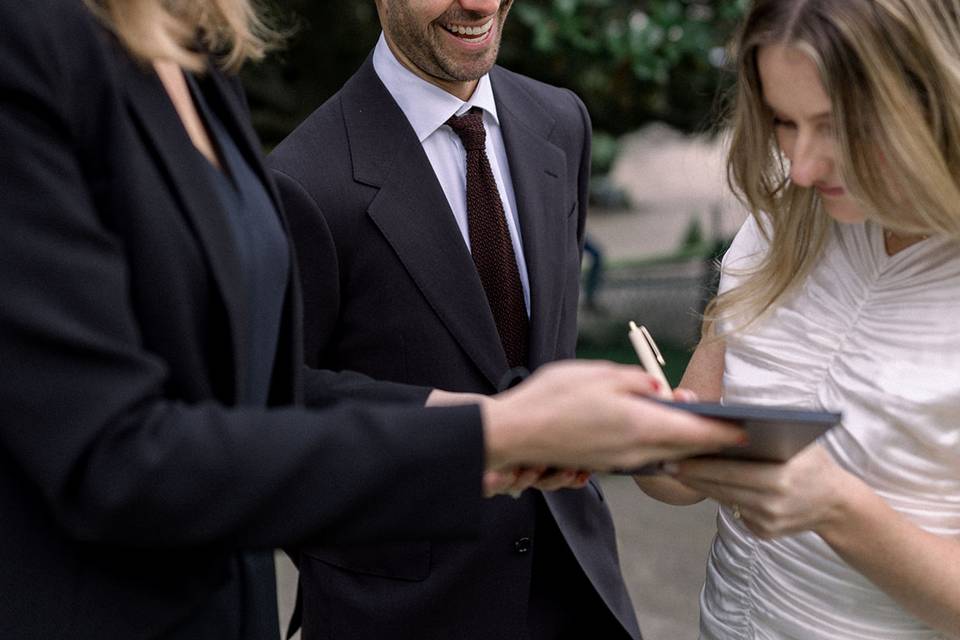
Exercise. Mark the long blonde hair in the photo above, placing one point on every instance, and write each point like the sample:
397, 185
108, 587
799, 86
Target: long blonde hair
892, 71
188, 31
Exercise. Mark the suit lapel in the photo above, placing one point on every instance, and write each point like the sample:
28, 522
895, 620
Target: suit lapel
162, 128
413, 214
537, 168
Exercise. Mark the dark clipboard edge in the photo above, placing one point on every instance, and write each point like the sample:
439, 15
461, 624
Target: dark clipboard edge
776, 433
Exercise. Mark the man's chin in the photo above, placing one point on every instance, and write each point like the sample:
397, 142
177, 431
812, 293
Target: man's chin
470, 71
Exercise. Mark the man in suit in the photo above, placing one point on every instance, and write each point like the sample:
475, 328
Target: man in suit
385, 203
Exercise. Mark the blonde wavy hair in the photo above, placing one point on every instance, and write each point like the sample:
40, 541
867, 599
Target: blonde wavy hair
189, 31
892, 71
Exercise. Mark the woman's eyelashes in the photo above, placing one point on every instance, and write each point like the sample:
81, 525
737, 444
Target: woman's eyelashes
823, 128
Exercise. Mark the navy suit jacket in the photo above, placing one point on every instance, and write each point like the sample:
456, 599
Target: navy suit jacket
132, 483
390, 290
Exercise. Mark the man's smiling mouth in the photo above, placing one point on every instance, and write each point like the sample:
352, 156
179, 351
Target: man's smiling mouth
470, 33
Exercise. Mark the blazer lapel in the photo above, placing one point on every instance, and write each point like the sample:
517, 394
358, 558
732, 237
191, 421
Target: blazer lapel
537, 168
414, 216
161, 126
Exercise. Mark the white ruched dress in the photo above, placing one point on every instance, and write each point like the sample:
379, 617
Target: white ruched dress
878, 338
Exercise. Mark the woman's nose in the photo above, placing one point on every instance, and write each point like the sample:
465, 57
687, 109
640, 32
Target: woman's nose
809, 164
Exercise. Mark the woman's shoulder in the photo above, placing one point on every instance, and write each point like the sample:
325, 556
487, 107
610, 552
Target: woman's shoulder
51, 40
749, 245
57, 61
49, 29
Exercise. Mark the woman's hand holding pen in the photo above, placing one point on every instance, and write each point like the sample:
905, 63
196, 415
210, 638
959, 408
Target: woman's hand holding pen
661, 486
658, 485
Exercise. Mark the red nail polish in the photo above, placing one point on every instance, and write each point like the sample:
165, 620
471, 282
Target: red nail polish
655, 384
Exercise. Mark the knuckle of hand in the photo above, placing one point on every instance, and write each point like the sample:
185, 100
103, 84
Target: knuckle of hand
772, 511
782, 485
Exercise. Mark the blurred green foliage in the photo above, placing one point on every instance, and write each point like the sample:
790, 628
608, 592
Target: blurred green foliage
631, 61
616, 348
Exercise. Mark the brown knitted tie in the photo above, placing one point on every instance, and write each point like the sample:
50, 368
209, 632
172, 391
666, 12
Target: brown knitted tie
490, 240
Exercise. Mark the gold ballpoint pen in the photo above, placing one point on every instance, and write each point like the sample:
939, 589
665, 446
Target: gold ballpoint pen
650, 357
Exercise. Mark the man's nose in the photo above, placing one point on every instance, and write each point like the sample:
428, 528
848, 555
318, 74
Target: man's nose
482, 7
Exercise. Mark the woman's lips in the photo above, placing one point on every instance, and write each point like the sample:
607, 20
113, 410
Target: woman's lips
833, 192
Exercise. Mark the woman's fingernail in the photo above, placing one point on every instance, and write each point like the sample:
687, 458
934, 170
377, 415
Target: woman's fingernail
670, 468
655, 384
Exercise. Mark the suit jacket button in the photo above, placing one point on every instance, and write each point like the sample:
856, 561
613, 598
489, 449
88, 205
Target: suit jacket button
522, 545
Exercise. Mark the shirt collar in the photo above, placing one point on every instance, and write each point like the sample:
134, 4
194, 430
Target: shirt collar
426, 106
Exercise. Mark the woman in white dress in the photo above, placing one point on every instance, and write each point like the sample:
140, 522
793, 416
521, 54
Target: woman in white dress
841, 292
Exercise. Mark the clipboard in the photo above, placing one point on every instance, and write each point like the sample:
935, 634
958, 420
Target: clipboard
775, 434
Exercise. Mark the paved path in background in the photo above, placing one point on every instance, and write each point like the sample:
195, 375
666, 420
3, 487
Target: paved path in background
672, 182
663, 552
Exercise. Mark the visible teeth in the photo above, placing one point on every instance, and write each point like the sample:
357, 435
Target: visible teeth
470, 31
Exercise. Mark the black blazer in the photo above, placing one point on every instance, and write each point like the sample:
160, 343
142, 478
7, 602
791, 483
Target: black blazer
130, 482
390, 290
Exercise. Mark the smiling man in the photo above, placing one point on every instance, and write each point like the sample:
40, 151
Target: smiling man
437, 203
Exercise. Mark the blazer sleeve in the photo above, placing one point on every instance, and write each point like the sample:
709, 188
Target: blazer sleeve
322, 388
319, 271
87, 424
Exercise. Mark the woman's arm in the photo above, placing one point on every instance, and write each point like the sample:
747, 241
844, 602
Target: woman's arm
704, 374
704, 377
918, 569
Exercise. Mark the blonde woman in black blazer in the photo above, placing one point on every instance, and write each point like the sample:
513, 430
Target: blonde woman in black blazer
151, 449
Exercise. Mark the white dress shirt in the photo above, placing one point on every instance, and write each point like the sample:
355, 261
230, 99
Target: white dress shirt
427, 108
